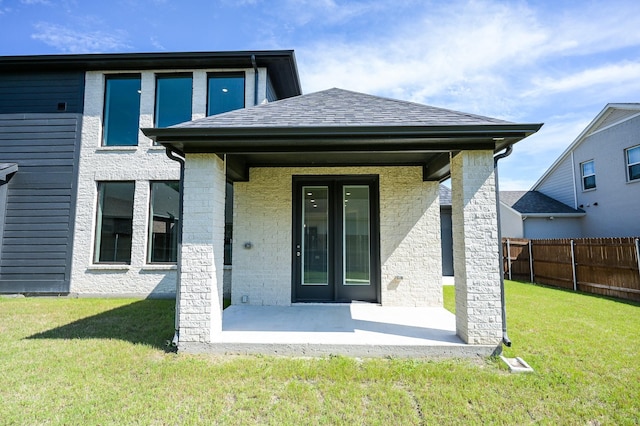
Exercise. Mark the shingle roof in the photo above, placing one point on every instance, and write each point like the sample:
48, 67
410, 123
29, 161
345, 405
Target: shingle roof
343, 108
534, 202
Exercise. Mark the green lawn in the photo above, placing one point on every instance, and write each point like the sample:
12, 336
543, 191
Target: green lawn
87, 361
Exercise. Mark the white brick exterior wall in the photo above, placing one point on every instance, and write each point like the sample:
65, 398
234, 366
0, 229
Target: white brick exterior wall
411, 268
202, 249
142, 164
476, 248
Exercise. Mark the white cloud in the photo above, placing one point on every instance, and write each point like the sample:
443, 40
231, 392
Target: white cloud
606, 75
69, 40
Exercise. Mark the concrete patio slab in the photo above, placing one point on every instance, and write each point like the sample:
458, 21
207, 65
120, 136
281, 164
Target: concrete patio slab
357, 329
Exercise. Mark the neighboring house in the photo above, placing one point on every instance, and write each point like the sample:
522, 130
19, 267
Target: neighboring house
93, 205
600, 174
336, 199
531, 214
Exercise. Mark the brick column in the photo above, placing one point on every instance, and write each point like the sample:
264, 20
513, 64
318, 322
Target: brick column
476, 248
202, 250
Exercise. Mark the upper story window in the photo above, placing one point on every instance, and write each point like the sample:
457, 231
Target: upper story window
633, 163
122, 110
173, 99
114, 222
588, 175
225, 92
164, 219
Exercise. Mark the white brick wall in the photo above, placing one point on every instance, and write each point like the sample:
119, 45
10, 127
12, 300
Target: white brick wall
409, 233
142, 164
476, 248
201, 277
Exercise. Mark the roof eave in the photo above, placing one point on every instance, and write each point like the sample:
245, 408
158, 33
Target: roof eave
281, 64
497, 135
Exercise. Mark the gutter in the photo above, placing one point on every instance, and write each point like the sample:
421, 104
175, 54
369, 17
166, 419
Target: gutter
255, 79
505, 337
178, 156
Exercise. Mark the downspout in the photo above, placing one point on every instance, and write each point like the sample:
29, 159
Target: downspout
255, 79
178, 156
505, 338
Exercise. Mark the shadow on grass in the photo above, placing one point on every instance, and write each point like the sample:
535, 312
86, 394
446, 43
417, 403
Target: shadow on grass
147, 322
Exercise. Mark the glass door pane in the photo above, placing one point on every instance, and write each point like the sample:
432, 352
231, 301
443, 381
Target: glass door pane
315, 241
356, 239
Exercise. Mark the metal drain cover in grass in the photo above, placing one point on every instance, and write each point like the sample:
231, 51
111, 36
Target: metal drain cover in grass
517, 365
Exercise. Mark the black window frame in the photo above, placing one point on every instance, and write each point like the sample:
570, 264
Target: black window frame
98, 250
106, 114
176, 226
161, 76
224, 74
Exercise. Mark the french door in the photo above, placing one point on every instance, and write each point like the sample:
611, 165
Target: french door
335, 239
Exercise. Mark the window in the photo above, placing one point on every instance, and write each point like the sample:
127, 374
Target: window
588, 175
173, 99
225, 92
633, 163
122, 110
114, 222
164, 221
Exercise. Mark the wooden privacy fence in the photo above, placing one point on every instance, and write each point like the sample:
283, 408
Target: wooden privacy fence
604, 266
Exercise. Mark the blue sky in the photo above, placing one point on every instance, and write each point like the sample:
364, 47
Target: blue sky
557, 62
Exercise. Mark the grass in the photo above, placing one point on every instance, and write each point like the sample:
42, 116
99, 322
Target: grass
85, 361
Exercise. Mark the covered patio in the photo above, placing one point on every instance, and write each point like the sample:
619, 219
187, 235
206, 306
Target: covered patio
281, 156
355, 329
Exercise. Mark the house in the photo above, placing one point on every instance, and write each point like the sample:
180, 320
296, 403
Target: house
292, 199
531, 214
92, 205
599, 173
336, 199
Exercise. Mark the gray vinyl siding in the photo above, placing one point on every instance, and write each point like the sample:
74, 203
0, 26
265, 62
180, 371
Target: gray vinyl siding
41, 92
612, 207
40, 205
510, 223
615, 116
271, 93
559, 184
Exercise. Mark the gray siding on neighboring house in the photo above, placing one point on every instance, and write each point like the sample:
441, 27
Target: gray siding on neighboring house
558, 227
612, 207
41, 92
510, 223
40, 206
559, 184
616, 116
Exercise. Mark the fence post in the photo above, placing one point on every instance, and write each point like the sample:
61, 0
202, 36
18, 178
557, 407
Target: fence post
573, 267
509, 257
531, 260
638, 253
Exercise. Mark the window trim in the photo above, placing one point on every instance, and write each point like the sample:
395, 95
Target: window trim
240, 73
97, 237
628, 165
584, 176
107, 77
